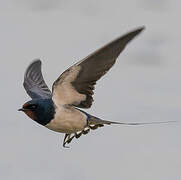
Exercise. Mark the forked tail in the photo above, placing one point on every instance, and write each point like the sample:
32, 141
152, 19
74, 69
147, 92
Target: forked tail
96, 121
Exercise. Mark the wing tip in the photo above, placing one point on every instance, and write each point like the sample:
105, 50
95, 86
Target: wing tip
137, 30
140, 29
126, 38
35, 62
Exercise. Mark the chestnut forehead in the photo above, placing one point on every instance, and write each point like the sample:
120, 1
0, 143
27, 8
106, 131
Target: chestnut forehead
26, 105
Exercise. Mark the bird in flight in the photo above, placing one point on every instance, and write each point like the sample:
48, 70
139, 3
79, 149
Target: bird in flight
59, 110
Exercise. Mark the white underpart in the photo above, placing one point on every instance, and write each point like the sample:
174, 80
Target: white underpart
68, 120
65, 93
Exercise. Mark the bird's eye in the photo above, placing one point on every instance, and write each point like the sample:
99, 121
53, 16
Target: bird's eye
32, 107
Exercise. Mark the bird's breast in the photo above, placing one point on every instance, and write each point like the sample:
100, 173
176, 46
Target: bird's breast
67, 120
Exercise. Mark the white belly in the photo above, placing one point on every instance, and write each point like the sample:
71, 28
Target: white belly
67, 120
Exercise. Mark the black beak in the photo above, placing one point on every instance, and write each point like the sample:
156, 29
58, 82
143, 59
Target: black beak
22, 109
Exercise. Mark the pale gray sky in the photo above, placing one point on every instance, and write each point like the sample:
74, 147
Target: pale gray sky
144, 85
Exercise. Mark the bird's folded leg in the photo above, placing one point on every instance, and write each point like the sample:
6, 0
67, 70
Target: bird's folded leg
67, 136
77, 135
85, 131
94, 127
101, 125
70, 139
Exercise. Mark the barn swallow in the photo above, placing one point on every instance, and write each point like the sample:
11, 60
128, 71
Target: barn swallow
59, 110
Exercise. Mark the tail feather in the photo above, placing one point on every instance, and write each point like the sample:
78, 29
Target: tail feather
95, 121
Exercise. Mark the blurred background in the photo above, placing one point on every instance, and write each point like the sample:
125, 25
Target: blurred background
143, 86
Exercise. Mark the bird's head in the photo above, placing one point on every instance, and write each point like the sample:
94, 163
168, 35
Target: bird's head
31, 108
40, 110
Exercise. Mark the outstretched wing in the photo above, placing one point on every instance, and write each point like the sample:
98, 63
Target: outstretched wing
34, 83
75, 86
